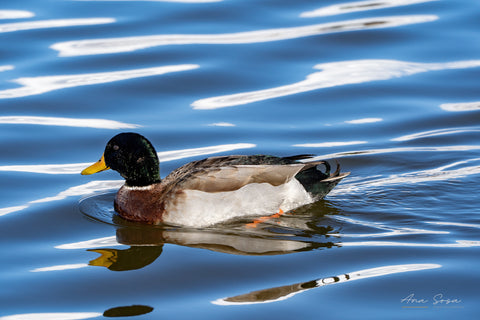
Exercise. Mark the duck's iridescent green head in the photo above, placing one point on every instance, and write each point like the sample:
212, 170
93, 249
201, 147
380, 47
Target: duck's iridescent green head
131, 155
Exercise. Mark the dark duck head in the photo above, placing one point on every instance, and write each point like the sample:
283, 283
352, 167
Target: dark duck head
131, 155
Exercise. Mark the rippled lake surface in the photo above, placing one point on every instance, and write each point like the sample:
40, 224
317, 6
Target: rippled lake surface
388, 88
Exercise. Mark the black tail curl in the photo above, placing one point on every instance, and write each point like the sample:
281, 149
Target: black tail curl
319, 183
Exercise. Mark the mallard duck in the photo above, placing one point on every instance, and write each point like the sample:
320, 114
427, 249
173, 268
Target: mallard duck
205, 192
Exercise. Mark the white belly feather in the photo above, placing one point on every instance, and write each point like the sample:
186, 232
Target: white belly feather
200, 209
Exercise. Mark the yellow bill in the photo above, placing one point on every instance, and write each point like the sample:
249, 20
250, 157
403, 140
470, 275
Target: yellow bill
96, 167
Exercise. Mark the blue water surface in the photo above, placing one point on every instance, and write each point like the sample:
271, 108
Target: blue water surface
388, 88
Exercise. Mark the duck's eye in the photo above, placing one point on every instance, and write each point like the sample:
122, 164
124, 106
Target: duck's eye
115, 147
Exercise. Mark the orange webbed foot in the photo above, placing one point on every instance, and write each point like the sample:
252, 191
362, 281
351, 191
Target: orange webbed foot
255, 222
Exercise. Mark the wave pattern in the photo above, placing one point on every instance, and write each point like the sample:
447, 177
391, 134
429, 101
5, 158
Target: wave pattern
129, 44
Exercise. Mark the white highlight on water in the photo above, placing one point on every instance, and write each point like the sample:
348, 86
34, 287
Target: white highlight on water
129, 44
348, 7
67, 122
46, 24
329, 144
364, 120
221, 124
15, 14
61, 267
335, 74
461, 106
53, 316
42, 84
434, 133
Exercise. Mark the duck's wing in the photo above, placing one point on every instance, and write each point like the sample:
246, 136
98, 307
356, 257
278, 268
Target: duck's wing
230, 173
236, 176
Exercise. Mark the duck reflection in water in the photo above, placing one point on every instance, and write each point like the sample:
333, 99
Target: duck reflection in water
127, 311
295, 232
288, 291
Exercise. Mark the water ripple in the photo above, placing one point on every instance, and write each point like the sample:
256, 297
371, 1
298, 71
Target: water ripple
45, 24
186, 153
434, 133
329, 144
6, 68
335, 74
39, 85
15, 14
386, 230
356, 6
461, 106
89, 244
454, 148
84, 189
455, 224
221, 124
7, 210
437, 174
60, 267
67, 122
456, 244
364, 120
128, 44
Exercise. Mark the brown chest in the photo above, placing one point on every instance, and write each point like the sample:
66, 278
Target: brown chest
142, 205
